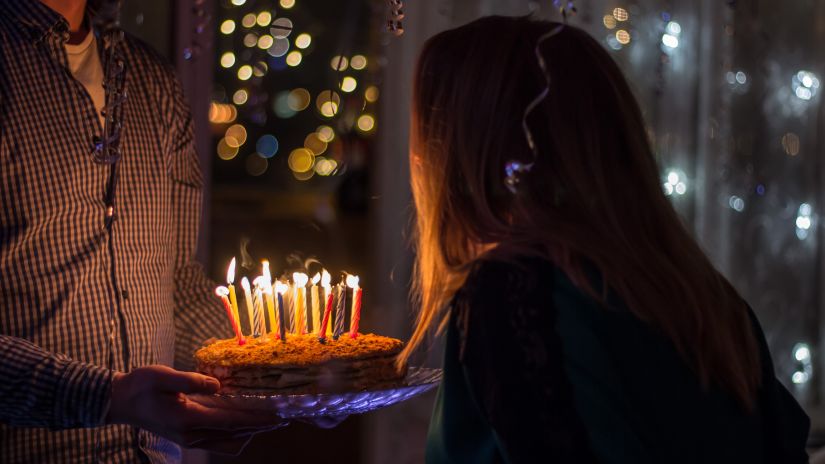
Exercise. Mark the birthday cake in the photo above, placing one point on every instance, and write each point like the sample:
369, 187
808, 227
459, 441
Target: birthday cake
302, 364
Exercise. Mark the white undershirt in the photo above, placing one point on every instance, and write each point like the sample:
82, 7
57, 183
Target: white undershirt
84, 63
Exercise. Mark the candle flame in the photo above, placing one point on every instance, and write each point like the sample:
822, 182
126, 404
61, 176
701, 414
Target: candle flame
325, 279
221, 291
352, 281
281, 287
262, 283
245, 283
266, 274
316, 278
300, 279
230, 272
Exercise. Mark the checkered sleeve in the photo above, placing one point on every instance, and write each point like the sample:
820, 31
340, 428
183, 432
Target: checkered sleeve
41, 389
198, 313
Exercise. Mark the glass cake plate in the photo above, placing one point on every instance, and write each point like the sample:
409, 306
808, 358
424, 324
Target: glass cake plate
417, 381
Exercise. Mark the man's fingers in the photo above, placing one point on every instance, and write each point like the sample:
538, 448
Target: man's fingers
201, 416
186, 382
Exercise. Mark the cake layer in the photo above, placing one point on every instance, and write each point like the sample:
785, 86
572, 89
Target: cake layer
302, 364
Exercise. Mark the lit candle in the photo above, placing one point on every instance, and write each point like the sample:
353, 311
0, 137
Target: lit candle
355, 319
316, 305
325, 283
258, 312
247, 293
280, 288
233, 299
322, 334
339, 311
300, 280
223, 293
266, 284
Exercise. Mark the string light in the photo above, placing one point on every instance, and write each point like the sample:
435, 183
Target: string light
736, 203
609, 21
620, 14
314, 144
238, 2
623, 36
225, 151
805, 85
281, 28
325, 166
675, 183
235, 135
804, 221
250, 39
790, 143
287, 4
267, 146
802, 355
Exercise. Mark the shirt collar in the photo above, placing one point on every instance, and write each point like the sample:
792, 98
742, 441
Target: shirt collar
37, 19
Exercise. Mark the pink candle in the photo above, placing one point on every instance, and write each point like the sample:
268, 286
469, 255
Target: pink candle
223, 293
356, 318
322, 335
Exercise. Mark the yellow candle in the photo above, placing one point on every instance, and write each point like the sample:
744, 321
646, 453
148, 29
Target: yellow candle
299, 280
233, 298
316, 305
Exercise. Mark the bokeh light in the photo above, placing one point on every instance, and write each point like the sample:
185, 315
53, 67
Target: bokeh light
609, 21
314, 144
303, 176
623, 36
225, 151
228, 60
260, 68
267, 146
279, 47
348, 84
287, 4
294, 58
265, 41
325, 166
301, 160
264, 18
298, 99
358, 62
325, 133
256, 165
303, 40
222, 113
244, 72
365, 123
250, 39
327, 103
790, 143
238, 2
339, 63
235, 135
371, 94
228, 27
240, 96
281, 28
248, 20
281, 105
620, 14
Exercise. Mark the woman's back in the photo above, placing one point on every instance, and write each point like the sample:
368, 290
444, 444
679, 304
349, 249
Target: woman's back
550, 375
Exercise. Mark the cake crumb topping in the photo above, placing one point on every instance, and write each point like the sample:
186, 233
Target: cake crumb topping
298, 350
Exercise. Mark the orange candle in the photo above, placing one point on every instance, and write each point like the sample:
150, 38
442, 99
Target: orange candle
355, 319
322, 334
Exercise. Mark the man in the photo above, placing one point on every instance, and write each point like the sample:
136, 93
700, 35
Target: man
99, 292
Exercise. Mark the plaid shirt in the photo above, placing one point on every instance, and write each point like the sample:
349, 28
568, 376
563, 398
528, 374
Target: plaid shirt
62, 272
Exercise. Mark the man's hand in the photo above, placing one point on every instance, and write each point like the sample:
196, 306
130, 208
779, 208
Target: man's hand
155, 398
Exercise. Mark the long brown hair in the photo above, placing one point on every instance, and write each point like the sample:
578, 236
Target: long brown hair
593, 198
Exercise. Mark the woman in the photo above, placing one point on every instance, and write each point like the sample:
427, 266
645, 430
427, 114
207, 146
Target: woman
584, 324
